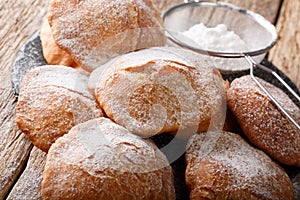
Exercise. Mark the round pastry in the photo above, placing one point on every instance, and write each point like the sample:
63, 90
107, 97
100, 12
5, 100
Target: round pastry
53, 54
221, 165
52, 100
99, 159
262, 122
95, 31
155, 95
141, 57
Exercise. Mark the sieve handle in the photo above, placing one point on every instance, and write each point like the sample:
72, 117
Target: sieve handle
253, 65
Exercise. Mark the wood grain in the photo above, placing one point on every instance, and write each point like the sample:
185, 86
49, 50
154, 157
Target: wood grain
286, 53
267, 8
14, 148
18, 21
28, 185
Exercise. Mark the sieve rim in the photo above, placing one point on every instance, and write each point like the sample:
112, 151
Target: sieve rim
268, 26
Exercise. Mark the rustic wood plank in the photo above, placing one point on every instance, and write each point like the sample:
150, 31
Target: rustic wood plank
285, 55
29, 184
267, 8
14, 148
163, 5
18, 21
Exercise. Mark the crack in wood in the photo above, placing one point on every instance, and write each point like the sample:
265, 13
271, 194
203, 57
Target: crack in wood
16, 177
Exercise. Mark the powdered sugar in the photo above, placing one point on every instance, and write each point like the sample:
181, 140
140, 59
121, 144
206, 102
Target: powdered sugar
58, 76
234, 166
95, 31
218, 38
263, 122
144, 56
160, 95
112, 160
52, 100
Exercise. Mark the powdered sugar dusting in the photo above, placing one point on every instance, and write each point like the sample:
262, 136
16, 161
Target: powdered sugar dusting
127, 152
114, 158
95, 31
263, 122
234, 166
144, 56
47, 113
160, 95
58, 76
52, 100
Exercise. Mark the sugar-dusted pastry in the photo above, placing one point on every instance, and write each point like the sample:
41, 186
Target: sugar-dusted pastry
52, 100
161, 94
53, 54
262, 122
221, 165
95, 31
99, 159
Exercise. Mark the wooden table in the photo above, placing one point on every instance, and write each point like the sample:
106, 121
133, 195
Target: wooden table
21, 164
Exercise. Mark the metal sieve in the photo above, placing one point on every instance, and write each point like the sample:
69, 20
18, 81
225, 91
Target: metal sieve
257, 32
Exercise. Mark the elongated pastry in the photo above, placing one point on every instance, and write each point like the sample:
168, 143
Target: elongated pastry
99, 159
156, 94
95, 31
262, 122
52, 100
221, 165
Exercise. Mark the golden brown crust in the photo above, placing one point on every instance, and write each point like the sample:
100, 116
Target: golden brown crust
160, 95
53, 54
221, 165
95, 31
263, 123
50, 104
99, 159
